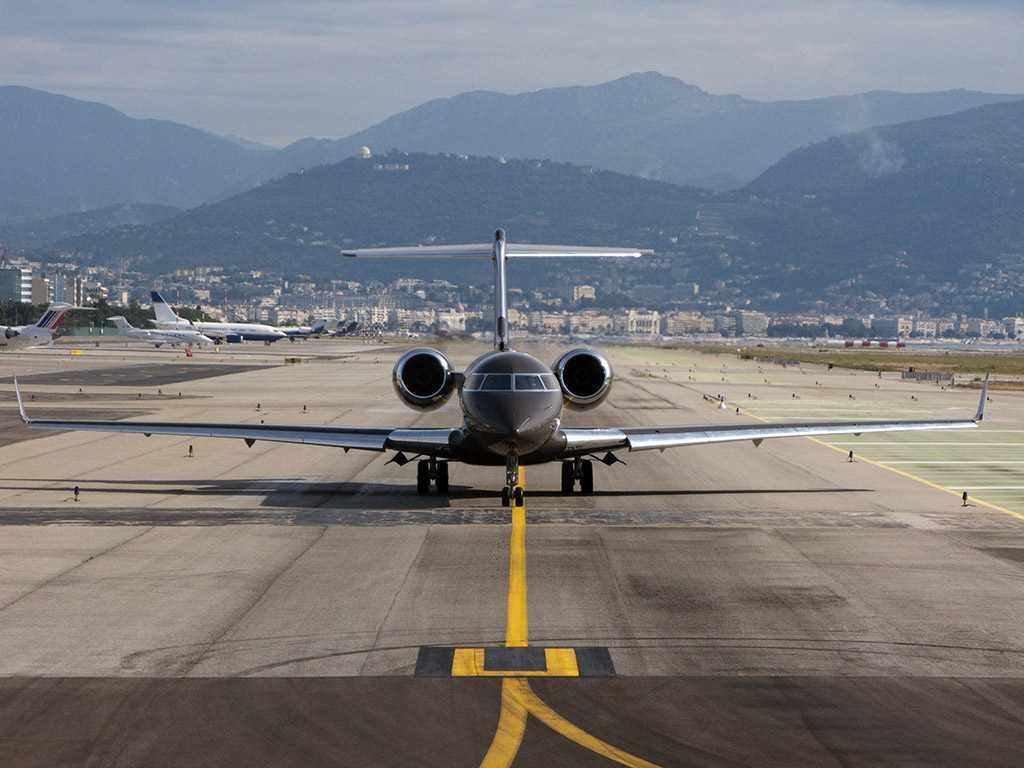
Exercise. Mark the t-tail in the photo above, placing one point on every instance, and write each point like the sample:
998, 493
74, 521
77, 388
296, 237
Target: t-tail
499, 251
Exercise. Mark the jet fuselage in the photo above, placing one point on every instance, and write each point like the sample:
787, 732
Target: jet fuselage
512, 405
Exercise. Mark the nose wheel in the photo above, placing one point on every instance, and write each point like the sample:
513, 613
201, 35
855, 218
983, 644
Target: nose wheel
512, 490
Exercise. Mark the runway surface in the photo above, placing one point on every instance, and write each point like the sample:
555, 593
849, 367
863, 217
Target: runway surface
771, 606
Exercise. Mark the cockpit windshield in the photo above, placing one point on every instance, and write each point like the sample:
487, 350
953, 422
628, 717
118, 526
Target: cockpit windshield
497, 382
507, 382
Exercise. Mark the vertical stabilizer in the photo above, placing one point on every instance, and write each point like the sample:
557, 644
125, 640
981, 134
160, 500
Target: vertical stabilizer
500, 294
164, 313
52, 316
499, 251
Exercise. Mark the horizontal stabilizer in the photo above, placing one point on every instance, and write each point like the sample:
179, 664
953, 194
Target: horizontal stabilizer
486, 251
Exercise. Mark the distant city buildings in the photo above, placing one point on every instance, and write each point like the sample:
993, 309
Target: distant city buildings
413, 307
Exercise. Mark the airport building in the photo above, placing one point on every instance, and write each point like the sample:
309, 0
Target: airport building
15, 284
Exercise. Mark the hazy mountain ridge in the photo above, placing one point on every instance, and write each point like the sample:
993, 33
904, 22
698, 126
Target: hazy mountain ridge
905, 207
62, 155
992, 133
301, 222
44, 233
949, 209
644, 124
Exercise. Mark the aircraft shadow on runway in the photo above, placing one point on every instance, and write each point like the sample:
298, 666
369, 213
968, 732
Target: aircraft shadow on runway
298, 494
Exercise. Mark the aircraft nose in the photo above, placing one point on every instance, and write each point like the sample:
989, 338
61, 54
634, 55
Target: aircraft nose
511, 424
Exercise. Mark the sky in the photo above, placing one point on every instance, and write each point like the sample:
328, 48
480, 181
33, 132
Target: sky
275, 71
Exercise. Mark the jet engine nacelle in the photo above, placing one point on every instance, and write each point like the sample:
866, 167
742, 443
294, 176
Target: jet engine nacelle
584, 376
10, 333
424, 379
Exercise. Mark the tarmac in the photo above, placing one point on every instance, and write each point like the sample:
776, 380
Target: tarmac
270, 606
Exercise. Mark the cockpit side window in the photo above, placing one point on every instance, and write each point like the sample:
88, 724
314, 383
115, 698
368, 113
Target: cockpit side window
474, 381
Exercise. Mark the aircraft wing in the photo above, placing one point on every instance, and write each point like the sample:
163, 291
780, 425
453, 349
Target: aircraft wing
584, 441
433, 442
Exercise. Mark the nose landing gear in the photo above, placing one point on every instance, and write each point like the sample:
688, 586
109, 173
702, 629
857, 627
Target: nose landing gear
512, 490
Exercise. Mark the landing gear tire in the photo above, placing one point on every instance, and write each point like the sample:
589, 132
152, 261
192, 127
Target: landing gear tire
587, 480
578, 469
568, 481
518, 495
506, 496
423, 476
441, 481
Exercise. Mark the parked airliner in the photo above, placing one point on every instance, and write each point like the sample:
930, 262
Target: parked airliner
511, 403
40, 333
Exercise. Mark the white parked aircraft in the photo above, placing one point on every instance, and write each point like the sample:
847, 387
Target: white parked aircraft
229, 332
43, 332
159, 336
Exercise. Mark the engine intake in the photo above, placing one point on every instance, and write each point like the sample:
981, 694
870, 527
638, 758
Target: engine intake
424, 378
585, 377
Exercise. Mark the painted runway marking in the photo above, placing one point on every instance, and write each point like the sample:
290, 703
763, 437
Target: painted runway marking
518, 701
517, 628
993, 488
944, 479
957, 462
899, 444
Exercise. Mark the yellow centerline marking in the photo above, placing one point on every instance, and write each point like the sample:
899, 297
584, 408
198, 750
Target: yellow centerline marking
518, 700
929, 483
517, 629
560, 725
511, 727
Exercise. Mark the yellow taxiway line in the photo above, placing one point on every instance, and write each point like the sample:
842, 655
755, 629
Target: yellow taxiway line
929, 483
518, 701
517, 629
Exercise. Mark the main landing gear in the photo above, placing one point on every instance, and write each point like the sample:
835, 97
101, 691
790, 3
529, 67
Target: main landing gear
431, 471
512, 491
578, 470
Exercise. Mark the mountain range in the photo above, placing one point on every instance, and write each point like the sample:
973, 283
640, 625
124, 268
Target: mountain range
60, 155
927, 208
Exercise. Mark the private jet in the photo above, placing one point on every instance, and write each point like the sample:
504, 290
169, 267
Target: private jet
232, 333
512, 403
157, 337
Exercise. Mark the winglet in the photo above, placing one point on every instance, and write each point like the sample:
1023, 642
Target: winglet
981, 406
21, 405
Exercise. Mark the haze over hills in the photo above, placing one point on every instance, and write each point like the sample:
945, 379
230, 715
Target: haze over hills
985, 135
61, 155
933, 206
927, 208
300, 223
645, 124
